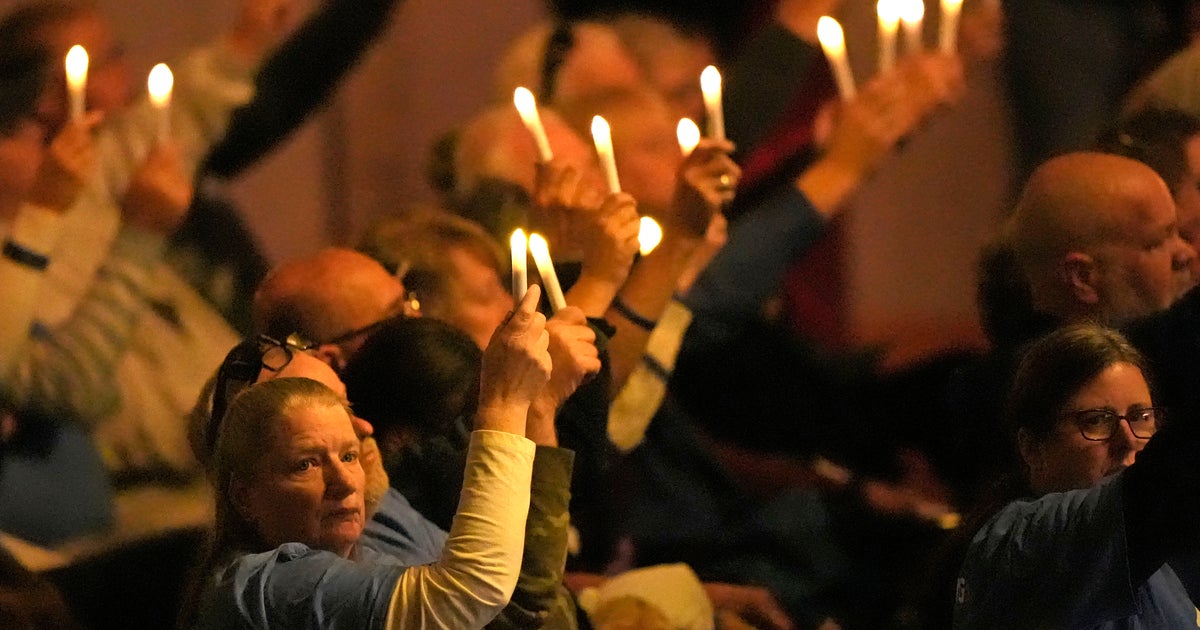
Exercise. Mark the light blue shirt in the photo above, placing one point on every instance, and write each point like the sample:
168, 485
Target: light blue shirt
296, 587
399, 530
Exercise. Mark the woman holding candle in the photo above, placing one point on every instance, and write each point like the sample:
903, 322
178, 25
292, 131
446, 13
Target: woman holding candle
290, 507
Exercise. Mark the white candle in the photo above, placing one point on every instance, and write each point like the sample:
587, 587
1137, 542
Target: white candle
889, 24
710, 86
77, 69
160, 84
650, 234
688, 134
913, 16
541, 257
833, 42
948, 31
602, 137
520, 265
527, 108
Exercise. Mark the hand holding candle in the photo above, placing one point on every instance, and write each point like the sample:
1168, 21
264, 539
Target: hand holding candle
160, 83
889, 24
688, 134
527, 108
541, 257
912, 13
77, 70
948, 32
833, 42
520, 265
602, 137
710, 86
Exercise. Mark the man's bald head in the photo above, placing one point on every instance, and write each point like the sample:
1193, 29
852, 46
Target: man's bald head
326, 295
1096, 236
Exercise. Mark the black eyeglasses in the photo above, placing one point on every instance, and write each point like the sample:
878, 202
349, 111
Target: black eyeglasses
1099, 425
241, 368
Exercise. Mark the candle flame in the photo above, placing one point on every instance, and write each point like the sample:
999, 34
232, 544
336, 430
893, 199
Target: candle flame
160, 84
948, 5
889, 13
912, 11
526, 104
539, 248
77, 66
650, 234
601, 133
688, 134
829, 32
710, 82
517, 241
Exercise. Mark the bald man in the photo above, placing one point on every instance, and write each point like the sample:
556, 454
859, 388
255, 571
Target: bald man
334, 298
1097, 239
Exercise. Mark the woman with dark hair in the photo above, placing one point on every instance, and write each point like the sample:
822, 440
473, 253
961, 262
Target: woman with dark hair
422, 410
1098, 540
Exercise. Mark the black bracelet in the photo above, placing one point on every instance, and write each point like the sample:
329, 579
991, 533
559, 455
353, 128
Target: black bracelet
24, 256
642, 322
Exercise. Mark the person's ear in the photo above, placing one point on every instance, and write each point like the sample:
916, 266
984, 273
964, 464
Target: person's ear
1031, 451
241, 495
1081, 276
332, 355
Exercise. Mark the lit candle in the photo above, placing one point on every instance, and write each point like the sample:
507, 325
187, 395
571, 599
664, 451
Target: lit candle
520, 265
77, 69
889, 23
949, 26
688, 134
160, 84
541, 257
650, 234
833, 42
913, 16
527, 107
710, 86
602, 137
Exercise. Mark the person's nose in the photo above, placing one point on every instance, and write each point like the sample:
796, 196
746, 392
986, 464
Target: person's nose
1124, 445
339, 479
362, 428
1184, 254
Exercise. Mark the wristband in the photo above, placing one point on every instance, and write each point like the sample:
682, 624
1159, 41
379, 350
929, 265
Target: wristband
642, 322
25, 256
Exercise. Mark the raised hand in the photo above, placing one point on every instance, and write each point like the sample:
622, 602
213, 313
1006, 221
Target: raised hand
706, 183
564, 204
66, 165
575, 357
516, 367
159, 193
890, 106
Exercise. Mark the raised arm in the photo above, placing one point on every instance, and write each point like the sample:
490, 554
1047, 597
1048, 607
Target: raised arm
479, 567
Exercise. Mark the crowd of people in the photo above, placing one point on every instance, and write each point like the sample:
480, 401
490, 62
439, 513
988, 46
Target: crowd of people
400, 435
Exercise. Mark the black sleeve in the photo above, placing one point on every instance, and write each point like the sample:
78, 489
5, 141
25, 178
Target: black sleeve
297, 78
763, 81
